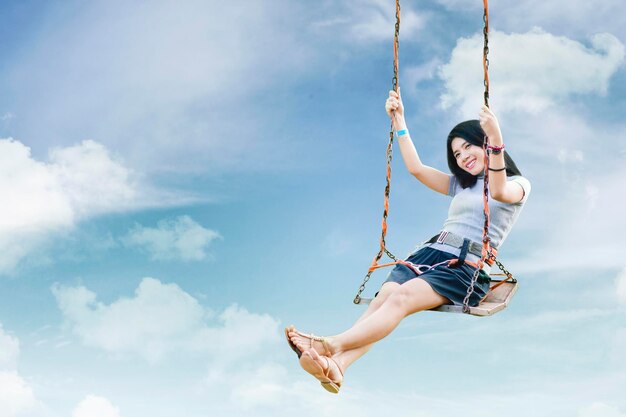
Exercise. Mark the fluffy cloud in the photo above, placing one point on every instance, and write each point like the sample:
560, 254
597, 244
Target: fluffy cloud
9, 350
529, 71
160, 319
559, 16
580, 211
44, 197
94, 406
16, 395
180, 238
91, 181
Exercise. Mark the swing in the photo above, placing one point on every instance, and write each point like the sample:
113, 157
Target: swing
501, 290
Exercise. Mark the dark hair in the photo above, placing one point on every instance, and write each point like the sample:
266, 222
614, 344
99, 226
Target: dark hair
471, 131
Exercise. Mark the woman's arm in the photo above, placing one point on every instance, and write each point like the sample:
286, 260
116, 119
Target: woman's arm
499, 188
429, 176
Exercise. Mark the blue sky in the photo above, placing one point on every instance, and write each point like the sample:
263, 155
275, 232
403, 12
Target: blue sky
181, 181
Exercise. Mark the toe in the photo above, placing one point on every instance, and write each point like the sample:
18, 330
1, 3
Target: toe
318, 359
329, 366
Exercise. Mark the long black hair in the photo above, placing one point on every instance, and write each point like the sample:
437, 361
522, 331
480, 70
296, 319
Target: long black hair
471, 131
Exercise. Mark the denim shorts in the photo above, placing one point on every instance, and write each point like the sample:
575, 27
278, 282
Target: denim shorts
451, 282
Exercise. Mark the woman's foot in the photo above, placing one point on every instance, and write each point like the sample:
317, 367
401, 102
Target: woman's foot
291, 344
322, 345
324, 369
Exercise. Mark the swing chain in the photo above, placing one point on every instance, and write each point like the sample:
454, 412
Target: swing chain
383, 248
357, 298
486, 239
486, 51
470, 291
396, 45
509, 276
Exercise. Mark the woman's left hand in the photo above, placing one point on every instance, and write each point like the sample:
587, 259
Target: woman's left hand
490, 125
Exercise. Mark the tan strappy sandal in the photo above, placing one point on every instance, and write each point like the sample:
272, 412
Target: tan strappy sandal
307, 361
313, 338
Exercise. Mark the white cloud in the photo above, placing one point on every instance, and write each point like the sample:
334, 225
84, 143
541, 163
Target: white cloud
95, 406
412, 75
33, 196
374, 20
16, 395
145, 92
161, 319
40, 198
271, 389
274, 390
369, 21
262, 387
600, 410
571, 17
180, 238
91, 181
9, 350
583, 212
529, 71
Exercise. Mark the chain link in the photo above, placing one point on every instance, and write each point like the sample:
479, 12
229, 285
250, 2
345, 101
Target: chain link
485, 250
509, 276
486, 239
383, 249
486, 51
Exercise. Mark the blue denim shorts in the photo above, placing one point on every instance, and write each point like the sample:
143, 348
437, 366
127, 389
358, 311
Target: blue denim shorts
450, 282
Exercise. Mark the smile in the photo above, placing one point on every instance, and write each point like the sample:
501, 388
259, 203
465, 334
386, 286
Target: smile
470, 164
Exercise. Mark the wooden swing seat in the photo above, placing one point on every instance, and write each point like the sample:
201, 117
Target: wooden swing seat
497, 299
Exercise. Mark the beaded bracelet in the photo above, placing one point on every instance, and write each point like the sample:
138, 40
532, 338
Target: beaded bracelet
495, 150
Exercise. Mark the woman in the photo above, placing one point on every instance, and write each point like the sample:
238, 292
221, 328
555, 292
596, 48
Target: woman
405, 292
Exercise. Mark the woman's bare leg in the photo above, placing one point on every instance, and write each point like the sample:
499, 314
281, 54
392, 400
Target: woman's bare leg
348, 357
408, 298
345, 359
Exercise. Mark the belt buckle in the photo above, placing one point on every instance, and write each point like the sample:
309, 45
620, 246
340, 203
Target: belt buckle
442, 237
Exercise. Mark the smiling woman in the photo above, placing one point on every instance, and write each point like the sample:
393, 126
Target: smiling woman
452, 267
466, 154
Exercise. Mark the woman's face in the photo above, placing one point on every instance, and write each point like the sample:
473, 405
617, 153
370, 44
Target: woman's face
468, 157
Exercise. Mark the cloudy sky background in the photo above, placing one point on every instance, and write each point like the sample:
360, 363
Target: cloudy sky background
180, 181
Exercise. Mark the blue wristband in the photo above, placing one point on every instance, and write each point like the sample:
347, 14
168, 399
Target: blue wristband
402, 132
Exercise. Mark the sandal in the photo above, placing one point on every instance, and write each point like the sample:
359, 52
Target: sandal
312, 338
308, 364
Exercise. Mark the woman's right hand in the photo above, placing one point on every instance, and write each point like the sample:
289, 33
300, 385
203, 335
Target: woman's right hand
395, 109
